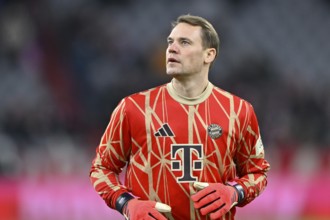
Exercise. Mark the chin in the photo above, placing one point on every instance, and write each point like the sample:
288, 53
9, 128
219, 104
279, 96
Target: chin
172, 72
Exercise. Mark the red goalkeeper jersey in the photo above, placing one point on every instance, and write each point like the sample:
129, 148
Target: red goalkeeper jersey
168, 142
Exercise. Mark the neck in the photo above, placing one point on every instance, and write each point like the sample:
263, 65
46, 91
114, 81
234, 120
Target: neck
189, 88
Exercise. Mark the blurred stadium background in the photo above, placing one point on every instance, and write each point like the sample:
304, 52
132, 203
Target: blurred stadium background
64, 65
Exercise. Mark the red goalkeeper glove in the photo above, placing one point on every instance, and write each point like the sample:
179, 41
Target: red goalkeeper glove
215, 199
145, 210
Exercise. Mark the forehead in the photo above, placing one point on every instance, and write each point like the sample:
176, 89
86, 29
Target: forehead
184, 30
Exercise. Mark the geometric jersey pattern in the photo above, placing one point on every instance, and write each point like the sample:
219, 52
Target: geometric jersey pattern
162, 141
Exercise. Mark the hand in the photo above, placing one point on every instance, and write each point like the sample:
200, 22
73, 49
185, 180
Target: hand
215, 199
145, 210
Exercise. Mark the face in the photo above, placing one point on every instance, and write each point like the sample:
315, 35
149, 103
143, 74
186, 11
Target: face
185, 54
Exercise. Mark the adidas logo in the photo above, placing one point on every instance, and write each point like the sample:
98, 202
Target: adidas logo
164, 131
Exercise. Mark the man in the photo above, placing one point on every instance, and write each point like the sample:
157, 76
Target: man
192, 150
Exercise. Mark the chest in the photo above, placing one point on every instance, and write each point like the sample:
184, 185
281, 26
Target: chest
211, 125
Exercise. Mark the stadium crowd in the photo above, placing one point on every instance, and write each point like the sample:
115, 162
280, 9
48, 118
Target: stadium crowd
64, 66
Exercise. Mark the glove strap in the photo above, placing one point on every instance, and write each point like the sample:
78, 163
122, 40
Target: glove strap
240, 192
122, 201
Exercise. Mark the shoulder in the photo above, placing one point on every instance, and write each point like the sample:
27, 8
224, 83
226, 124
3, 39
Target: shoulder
146, 92
231, 100
142, 96
230, 96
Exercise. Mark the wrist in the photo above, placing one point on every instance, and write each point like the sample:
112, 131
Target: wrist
240, 193
122, 201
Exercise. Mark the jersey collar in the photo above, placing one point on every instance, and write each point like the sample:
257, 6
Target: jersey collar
186, 100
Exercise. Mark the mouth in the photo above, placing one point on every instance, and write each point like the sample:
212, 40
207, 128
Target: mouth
172, 60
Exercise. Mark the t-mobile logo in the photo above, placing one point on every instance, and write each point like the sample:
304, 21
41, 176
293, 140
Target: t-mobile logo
187, 164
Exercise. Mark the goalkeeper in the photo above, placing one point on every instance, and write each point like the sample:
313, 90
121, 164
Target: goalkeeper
192, 150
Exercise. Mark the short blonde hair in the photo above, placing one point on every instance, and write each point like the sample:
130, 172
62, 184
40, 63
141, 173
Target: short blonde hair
210, 38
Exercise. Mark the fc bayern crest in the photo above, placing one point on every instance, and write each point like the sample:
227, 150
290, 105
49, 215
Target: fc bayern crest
214, 130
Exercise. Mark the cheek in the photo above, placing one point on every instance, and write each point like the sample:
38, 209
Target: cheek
197, 60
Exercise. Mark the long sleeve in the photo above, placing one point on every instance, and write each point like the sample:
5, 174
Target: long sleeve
168, 142
111, 157
252, 167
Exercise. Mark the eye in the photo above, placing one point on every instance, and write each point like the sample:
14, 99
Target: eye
185, 42
169, 41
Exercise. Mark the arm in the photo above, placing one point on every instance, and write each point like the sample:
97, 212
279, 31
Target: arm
111, 156
216, 199
251, 164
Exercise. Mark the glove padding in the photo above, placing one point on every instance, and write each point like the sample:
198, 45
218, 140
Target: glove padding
145, 210
215, 199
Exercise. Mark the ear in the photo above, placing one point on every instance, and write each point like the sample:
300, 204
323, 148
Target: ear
210, 54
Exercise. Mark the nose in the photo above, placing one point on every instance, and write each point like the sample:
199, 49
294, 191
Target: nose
172, 48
